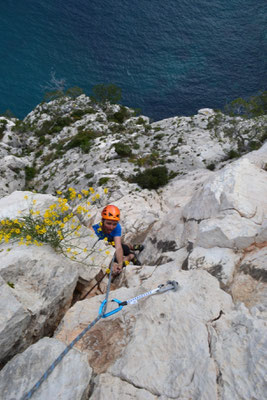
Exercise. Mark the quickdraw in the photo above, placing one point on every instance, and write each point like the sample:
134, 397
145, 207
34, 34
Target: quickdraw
170, 285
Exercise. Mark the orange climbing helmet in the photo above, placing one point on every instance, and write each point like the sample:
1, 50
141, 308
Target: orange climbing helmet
111, 212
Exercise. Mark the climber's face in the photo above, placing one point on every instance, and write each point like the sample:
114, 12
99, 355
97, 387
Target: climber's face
109, 225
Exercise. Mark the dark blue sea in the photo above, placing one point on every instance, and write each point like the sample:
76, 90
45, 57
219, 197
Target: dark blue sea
169, 57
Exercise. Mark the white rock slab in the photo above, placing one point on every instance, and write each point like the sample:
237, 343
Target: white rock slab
14, 321
15, 204
240, 186
239, 346
220, 262
250, 282
151, 345
69, 380
232, 231
112, 388
44, 282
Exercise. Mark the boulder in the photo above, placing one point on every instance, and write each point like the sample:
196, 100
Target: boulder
69, 380
14, 321
239, 187
230, 208
12, 171
43, 285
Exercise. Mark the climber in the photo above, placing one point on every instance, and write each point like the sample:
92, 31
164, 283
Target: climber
109, 229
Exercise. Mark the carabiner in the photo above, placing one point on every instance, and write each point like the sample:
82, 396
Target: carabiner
111, 312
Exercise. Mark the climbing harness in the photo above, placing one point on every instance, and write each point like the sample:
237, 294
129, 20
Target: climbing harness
170, 285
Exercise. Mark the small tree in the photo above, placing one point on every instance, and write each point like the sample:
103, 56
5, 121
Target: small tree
104, 94
255, 106
74, 92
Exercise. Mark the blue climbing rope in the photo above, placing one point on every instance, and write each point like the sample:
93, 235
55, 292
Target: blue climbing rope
101, 314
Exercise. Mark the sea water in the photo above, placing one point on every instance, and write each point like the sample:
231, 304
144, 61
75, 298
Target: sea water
169, 58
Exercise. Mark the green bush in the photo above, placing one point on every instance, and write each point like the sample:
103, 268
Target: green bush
152, 178
211, 167
30, 173
232, 154
123, 150
3, 124
103, 180
83, 140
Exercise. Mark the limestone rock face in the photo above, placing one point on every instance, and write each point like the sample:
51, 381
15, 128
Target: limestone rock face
43, 287
14, 321
231, 207
157, 337
16, 205
249, 285
239, 339
12, 171
69, 380
110, 387
218, 261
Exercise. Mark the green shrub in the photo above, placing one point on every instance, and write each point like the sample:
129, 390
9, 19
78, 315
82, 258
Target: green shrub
83, 140
103, 180
159, 136
120, 116
232, 154
30, 173
140, 121
123, 150
3, 124
211, 167
152, 178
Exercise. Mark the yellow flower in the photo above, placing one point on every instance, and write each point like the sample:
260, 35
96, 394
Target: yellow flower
85, 192
3, 222
127, 262
85, 250
75, 253
88, 203
28, 237
17, 230
34, 201
107, 252
93, 198
26, 197
107, 271
68, 250
80, 196
97, 196
92, 190
105, 239
106, 190
59, 192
